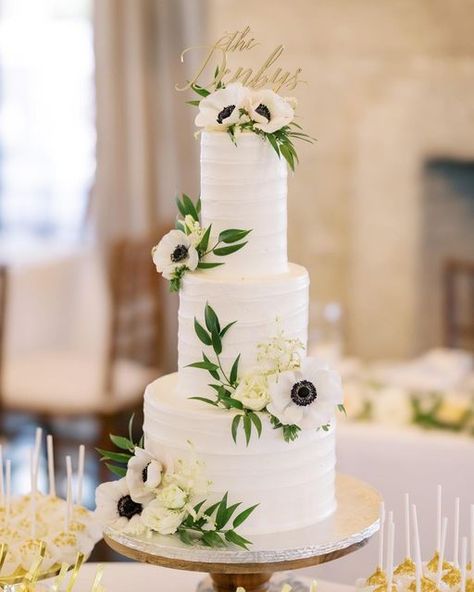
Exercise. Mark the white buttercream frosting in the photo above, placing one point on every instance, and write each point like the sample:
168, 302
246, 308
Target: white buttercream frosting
260, 306
245, 186
293, 483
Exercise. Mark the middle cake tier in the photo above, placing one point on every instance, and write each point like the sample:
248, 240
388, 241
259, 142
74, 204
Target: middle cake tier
260, 307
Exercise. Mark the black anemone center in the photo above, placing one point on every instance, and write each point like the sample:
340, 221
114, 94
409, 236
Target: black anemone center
127, 508
303, 393
145, 473
225, 113
264, 111
179, 254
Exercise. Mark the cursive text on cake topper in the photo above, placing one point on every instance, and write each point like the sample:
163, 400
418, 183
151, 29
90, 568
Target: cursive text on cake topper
267, 74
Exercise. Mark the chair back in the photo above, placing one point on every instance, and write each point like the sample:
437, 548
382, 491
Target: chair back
3, 312
459, 304
136, 328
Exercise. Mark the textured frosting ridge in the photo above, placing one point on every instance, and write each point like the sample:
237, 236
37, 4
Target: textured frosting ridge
260, 306
245, 186
292, 482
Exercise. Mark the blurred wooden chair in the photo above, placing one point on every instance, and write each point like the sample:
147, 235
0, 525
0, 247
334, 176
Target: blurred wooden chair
459, 304
63, 383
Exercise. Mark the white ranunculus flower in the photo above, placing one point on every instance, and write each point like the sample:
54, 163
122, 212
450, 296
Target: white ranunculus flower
252, 391
115, 507
143, 476
174, 251
454, 408
189, 474
173, 497
306, 397
221, 108
269, 111
160, 519
391, 405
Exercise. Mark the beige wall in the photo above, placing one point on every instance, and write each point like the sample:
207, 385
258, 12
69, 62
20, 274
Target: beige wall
374, 70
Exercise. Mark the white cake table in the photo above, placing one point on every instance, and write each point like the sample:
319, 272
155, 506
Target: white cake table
125, 577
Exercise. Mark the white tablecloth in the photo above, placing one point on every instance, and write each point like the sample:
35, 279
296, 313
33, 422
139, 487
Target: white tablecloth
399, 460
128, 577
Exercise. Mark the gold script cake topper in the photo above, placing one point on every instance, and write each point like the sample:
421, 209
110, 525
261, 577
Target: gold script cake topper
216, 57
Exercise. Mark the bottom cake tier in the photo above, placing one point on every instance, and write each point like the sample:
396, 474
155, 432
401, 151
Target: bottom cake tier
293, 483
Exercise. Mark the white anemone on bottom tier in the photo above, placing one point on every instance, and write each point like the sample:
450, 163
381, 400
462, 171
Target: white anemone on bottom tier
293, 483
261, 306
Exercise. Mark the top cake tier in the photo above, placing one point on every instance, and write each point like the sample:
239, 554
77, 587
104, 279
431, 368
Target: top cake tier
244, 185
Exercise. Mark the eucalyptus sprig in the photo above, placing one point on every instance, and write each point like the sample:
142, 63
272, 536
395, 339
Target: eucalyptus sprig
225, 382
210, 526
126, 446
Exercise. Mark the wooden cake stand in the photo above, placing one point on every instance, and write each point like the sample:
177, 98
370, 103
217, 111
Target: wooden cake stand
355, 520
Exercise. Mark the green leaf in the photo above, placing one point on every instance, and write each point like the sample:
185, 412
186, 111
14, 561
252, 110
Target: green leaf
211, 509
247, 428
203, 92
216, 343
204, 366
273, 142
234, 372
204, 242
242, 517
193, 103
212, 539
223, 251
190, 207
198, 506
130, 427
123, 443
119, 471
202, 333
198, 205
227, 327
204, 400
212, 322
288, 156
230, 512
290, 432
214, 372
342, 409
181, 208
232, 235
205, 265
236, 539
184, 537
119, 457
221, 512
229, 402
257, 422
235, 427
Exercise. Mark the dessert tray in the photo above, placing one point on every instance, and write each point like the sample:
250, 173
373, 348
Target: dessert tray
355, 520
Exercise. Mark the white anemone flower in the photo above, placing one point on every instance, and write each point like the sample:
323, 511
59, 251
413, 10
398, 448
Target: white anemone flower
306, 397
173, 252
144, 474
221, 109
115, 507
269, 111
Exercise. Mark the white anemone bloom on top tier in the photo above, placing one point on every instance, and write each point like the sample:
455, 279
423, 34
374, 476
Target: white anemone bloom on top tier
221, 108
306, 397
115, 507
144, 474
175, 251
269, 110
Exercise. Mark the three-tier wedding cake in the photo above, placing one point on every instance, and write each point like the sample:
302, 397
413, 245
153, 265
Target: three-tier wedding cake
252, 411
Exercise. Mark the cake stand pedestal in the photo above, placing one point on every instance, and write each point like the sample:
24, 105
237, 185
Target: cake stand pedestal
346, 530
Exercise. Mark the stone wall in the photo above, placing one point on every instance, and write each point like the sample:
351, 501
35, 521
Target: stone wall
390, 83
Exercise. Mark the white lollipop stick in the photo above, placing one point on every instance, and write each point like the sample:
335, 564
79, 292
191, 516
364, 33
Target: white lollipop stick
80, 474
439, 573
456, 533
390, 549
438, 517
417, 548
38, 436
8, 488
381, 534
463, 563
2, 484
51, 475
67, 519
407, 526
472, 540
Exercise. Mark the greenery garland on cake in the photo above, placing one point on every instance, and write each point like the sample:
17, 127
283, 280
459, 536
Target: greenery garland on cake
292, 392
189, 246
235, 108
165, 496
